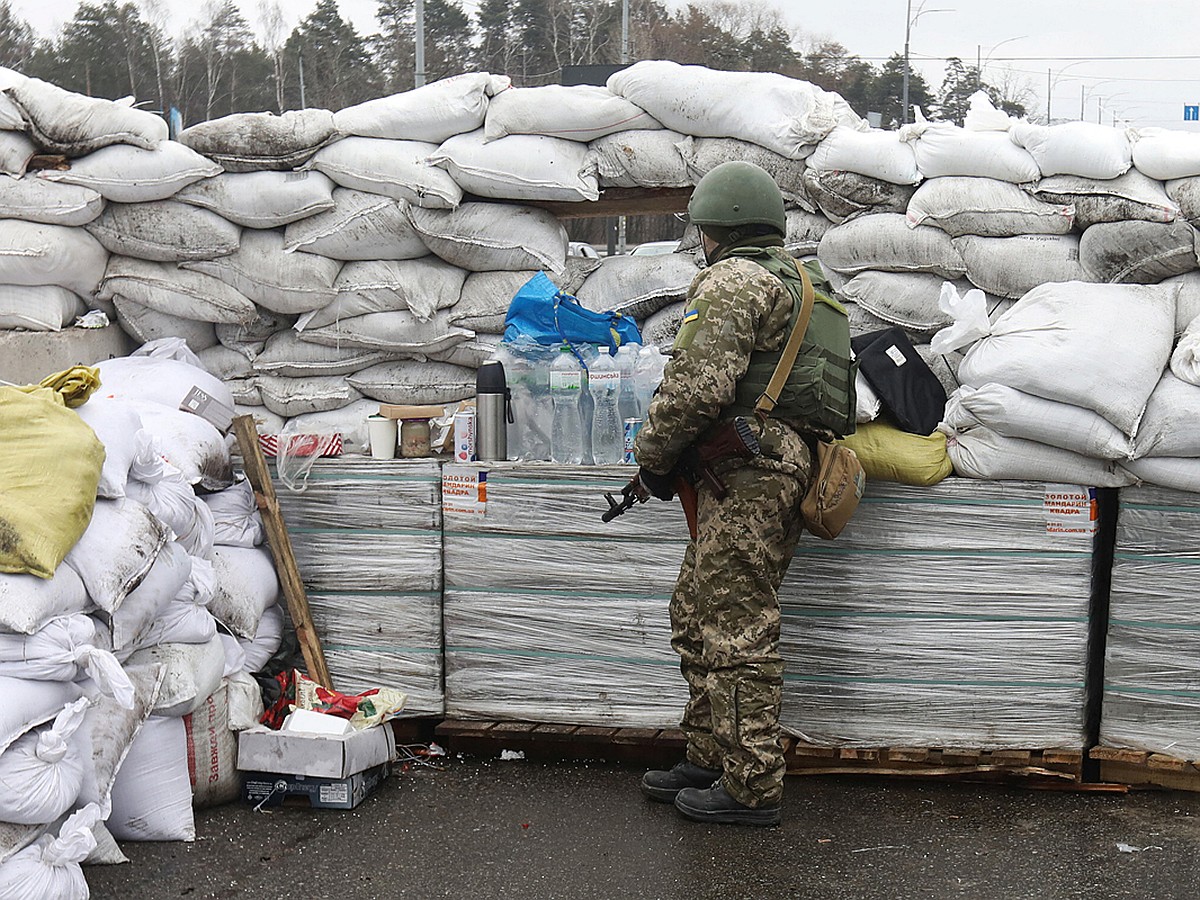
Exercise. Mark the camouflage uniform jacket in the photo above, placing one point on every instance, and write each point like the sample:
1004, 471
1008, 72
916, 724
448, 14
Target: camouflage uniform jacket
734, 308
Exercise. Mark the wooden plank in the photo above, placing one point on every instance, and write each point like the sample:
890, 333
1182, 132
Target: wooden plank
635, 736
621, 202
1173, 763
1011, 757
1140, 775
501, 730
1113, 754
1062, 757
281, 550
452, 728
595, 732
908, 754
961, 756
553, 734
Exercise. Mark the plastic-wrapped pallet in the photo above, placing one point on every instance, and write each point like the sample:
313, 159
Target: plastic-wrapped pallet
967, 626
1152, 658
550, 614
367, 535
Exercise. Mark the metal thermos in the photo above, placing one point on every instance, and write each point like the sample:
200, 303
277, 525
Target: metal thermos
493, 405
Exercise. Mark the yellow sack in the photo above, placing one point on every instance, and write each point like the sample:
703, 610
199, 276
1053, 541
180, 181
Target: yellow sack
889, 454
49, 468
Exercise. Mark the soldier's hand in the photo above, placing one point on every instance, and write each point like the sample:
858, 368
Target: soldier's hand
660, 486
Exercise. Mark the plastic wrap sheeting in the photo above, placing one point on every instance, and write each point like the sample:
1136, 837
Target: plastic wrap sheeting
1152, 656
945, 616
554, 616
367, 536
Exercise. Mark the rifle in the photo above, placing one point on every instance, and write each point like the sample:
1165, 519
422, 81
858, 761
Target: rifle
727, 440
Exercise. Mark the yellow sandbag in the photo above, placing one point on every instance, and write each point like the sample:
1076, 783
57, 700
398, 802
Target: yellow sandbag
889, 454
75, 384
49, 468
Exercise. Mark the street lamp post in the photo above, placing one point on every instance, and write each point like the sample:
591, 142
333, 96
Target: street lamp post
980, 60
419, 41
909, 21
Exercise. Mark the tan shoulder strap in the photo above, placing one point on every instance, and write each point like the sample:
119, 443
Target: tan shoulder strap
769, 397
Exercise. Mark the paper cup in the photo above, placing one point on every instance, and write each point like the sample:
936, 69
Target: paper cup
383, 437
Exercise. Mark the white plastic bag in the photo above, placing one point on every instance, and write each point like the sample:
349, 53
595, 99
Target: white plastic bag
970, 315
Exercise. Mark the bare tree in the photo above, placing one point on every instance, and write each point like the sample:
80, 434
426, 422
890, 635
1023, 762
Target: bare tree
156, 16
274, 32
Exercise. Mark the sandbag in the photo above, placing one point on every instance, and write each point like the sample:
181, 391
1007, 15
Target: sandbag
262, 199
185, 618
875, 153
648, 159
16, 150
787, 116
117, 550
804, 232
987, 207
702, 155
349, 421
34, 253
144, 324
415, 382
38, 307
485, 297
254, 142
286, 354
28, 602
1138, 252
282, 282
189, 443
472, 352
885, 242
843, 195
152, 794
1164, 153
359, 225
401, 170
1185, 193
432, 112
28, 704
519, 167
421, 286
116, 425
212, 752
1010, 267
145, 603
41, 773
251, 337
1075, 148
1129, 196
157, 380
174, 503
126, 174
236, 519
225, 363
164, 230
907, 299
39, 200
65, 122
485, 237
889, 454
295, 396
1181, 474
1170, 426
943, 149
638, 286
50, 464
247, 587
267, 639
981, 453
577, 112
192, 672
661, 328
1102, 347
64, 649
49, 867
1187, 305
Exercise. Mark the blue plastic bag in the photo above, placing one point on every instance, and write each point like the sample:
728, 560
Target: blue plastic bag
543, 313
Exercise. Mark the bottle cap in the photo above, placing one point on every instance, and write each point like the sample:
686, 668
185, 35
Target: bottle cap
489, 378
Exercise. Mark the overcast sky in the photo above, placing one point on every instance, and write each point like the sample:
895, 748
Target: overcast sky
1114, 55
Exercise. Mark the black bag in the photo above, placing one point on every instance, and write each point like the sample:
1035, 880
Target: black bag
909, 391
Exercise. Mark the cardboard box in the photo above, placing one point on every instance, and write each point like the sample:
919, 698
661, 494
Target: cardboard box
260, 749
273, 789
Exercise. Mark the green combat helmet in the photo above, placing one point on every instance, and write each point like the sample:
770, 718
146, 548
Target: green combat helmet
736, 194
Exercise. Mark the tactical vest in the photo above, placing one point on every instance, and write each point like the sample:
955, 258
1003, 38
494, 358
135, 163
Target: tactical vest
819, 392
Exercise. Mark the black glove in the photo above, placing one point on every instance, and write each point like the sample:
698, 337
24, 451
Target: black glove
661, 486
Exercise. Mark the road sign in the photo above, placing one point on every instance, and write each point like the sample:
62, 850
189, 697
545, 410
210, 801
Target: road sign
1191, 113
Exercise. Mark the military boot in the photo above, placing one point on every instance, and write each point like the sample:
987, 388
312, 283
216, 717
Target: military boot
716, 806
663, 784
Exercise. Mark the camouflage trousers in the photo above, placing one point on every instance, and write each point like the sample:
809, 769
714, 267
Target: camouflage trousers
725, 622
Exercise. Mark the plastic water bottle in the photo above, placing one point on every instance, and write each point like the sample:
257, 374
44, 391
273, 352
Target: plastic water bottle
627, 402
604, 383
566, 386
647, 374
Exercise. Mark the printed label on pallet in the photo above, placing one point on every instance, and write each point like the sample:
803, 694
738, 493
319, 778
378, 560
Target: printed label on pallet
1071, 510
464, 491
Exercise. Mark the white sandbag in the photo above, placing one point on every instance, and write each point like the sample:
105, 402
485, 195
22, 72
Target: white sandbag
472, 353
1170, 426
145, 324
804, 232
126, 174
49, 867
65, 122
41, 773
286, 354
235, 656
189, 443
1138, 252
1165, 153
28, 704
117, 550
885, 242
433, 112
245, 701
421, 286
1130, 196
226, 364
265, 421
1075, 148
786, 115
402, 170
212, 752
175, 291
250, 338
485, 299
982, 453
236, 519
660, 328
65, 649
408, 381
944, 149
702, 155
295, 396
164, 230
879, 154
349, 421
116, 424
16, 150
157, 380
152, 795
359, 225
185, 619
577, 112
147, 601
1010, 267
485, 237
638, 286
246, 391
1011, 413
985, 206
267, 639
35, 253
10, 114
1185, 359
255, 142
262, 199
1185, 193
1181, 474
247, 587
28, 602
648, 159
39, 200
38, 307
287, 283
907, 299
193, 671
1099, 346
843, 195
519, 167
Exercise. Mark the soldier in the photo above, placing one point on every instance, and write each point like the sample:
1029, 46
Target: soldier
725, 616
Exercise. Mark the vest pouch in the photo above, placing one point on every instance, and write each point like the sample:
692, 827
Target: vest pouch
833, 493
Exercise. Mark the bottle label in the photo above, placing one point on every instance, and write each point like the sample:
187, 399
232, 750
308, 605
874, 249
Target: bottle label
566, 381
605, 380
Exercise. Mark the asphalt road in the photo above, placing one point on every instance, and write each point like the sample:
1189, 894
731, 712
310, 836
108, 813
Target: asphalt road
486, 828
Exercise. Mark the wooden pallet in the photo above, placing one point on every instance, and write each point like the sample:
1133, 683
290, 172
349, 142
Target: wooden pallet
651, 746
1142, 769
